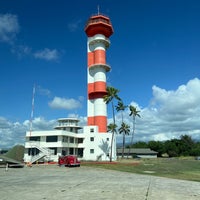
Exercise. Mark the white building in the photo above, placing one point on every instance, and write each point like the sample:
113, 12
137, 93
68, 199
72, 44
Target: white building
68, 138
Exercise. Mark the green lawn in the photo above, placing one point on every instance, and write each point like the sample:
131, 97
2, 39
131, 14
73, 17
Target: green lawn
177, 168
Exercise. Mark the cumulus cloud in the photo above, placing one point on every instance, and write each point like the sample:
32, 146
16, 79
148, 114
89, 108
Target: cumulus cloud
170, 114
178, 105
40, 123
9, 27
11, 133
63, 103
47, 54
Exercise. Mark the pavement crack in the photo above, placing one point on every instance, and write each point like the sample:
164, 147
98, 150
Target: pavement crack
147, 192
79, 184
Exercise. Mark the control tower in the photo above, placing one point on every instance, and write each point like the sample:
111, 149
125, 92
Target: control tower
98, 30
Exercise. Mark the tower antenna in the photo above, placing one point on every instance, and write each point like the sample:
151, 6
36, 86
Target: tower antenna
31, 119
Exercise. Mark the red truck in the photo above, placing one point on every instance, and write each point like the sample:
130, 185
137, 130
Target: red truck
68, 161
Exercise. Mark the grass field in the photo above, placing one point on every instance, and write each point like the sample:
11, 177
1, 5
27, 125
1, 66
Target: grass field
177, 168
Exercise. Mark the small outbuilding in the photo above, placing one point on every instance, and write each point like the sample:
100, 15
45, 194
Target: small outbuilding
137, 153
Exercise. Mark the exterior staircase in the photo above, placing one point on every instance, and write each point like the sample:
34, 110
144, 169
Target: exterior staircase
44, 152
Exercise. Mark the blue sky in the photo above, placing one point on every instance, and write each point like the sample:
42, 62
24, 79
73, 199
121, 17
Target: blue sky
154, 55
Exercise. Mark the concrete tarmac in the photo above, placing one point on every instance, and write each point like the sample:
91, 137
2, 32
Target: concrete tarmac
49, 182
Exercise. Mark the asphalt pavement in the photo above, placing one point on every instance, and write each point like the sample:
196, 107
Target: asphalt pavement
49, 182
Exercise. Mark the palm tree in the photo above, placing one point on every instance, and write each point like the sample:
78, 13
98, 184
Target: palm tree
112, 128
133, 112
121, 107
112, 94
125, 130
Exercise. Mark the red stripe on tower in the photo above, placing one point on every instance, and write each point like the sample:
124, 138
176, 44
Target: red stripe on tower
98, 30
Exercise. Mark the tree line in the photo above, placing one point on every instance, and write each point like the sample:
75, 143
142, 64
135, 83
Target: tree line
183, 146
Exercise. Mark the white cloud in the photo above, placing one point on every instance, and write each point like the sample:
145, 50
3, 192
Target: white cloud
63, 103
40, 123
180, 104
47, 54
171, 113
9, 27
11, 133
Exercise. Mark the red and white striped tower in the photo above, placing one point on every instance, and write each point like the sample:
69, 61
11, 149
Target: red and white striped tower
98, 30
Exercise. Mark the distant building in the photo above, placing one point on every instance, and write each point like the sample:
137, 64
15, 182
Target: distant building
137, 153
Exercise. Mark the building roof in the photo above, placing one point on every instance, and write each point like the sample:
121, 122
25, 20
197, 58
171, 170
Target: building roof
144, 151
68, 119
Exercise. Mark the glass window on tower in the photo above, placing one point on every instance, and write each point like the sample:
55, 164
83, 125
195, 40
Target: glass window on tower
91, 130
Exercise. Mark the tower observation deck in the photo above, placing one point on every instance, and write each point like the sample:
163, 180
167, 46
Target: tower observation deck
99, 24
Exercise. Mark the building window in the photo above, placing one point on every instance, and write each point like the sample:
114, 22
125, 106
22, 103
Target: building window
71, 151
91, 150
36, 138
54, 149
92, 139
65, 139
107, 139
52, 138
80, 152
33, 151
91, 130
63, 153
71, 140
80, 140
